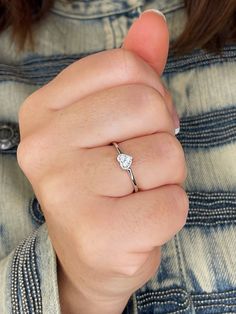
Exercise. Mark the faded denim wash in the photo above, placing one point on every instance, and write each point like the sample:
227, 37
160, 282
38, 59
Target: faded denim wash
198, 269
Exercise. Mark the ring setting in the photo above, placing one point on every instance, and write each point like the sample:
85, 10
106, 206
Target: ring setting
125, 162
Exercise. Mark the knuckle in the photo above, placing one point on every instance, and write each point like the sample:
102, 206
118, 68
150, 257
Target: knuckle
150, 101
147, 265
20, 152
147, 104
129, 271
21, 112
30, 155
25, 114
25, 155
133, 68
132, 264
24, 109
27, 103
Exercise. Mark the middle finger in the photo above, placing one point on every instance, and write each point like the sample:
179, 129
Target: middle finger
116, 114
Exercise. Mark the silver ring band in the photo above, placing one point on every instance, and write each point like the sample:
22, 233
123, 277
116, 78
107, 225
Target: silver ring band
125, 162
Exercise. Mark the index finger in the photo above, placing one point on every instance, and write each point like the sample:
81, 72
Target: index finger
89, 75
97, 72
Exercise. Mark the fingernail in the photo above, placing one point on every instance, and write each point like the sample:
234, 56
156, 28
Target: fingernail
155, 11
177, 130
176, 121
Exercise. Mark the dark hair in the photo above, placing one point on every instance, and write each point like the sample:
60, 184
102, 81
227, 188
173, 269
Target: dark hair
210, 25
21, 14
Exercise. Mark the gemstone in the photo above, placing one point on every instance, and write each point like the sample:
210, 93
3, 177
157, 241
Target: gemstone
125, 161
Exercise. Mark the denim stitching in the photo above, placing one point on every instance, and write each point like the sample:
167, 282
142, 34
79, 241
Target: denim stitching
215, 305
221, 209
185, 303
99, 9
102, 8
215, 300
197, 200
25, 282
176, 241
163, 294
165, 303
209, 129
210, 294
38, 70
197, 59
15, 281
144, 299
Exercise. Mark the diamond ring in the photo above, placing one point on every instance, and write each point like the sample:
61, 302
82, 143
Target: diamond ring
125, 162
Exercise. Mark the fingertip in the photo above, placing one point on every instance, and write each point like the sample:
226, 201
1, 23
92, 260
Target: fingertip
156, 12
149, 38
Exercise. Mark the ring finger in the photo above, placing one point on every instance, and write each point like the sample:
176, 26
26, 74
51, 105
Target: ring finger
158, 159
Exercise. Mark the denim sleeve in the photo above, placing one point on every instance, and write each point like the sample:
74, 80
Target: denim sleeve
131, 306
130, 309
28, 277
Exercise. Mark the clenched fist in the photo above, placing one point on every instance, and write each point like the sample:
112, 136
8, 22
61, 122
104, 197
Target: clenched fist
107, 239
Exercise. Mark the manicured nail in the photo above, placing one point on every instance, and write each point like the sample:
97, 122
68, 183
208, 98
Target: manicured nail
155, 11
177, 130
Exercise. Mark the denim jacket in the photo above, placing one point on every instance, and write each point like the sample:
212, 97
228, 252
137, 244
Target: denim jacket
198, 269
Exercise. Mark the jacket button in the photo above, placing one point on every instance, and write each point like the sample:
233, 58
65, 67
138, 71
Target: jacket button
36, 212
9, 135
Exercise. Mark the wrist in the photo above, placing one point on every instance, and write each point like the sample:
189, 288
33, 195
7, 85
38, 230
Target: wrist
74, 300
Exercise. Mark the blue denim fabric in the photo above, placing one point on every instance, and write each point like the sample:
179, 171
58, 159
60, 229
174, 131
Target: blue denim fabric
197, 273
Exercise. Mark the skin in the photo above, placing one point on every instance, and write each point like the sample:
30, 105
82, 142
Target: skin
107, 239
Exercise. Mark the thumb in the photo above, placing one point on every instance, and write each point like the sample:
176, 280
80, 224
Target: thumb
148, 37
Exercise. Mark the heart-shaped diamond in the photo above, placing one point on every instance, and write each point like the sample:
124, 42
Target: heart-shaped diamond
125, 161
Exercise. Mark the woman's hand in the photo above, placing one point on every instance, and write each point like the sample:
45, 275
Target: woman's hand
107, 239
